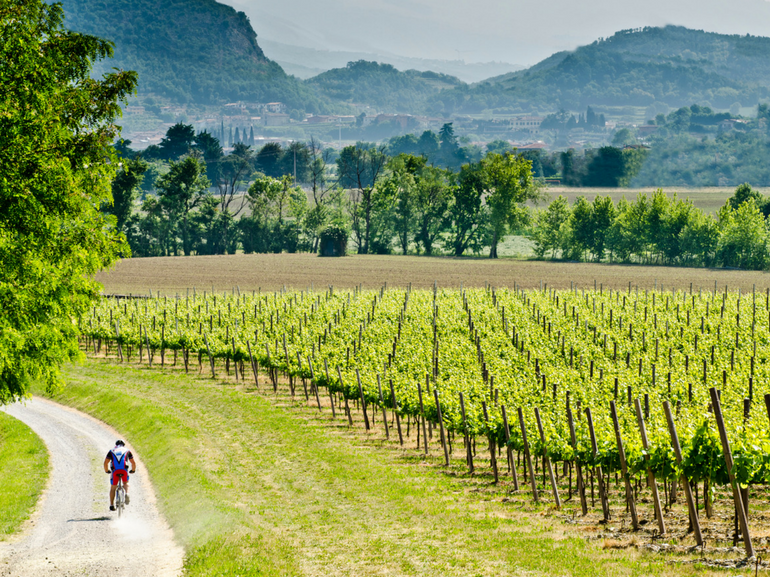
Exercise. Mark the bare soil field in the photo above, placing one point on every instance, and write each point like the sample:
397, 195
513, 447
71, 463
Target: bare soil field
172, 275
709, 200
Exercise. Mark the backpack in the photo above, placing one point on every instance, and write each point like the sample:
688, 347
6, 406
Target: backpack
119, 458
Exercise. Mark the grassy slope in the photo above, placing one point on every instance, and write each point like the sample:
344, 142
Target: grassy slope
253, 488
23, 473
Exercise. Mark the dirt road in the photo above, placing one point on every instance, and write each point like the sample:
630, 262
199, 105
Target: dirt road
73, 531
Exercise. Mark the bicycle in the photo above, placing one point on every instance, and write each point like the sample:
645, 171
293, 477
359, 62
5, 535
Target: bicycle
120, 497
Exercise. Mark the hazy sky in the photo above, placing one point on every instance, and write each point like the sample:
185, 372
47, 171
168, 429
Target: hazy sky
516, 31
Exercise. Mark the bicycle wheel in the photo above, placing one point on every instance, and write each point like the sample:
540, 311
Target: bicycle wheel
120, 498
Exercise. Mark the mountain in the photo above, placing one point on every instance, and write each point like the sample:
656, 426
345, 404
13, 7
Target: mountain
672, 66
308, 62
189, 51
484, 30
382, 86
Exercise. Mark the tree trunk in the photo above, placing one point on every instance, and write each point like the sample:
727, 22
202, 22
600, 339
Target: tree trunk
493, 248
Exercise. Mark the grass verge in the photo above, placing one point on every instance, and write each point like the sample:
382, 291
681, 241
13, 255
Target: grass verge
23, 473
254, 488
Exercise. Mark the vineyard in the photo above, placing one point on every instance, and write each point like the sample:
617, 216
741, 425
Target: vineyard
662, 390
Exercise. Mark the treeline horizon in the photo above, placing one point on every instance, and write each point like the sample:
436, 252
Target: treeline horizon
386, 201
656, 230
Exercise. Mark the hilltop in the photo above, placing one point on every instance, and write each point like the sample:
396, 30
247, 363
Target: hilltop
673, 66
382, 86
308, 62
189, 51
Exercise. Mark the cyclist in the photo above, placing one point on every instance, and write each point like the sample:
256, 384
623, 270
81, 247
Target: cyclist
115, 463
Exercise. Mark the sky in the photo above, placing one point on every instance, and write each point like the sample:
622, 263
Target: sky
516, 31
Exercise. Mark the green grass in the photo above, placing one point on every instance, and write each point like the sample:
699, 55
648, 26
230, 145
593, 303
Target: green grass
23, 473
252, 487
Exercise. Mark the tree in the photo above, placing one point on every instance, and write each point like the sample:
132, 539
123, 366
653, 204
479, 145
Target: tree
602, 218
181, 190
581, 226
399, 189
570, 168
269, 159
123, 148
467, 216
323, 191
509, 182
499, 147
428, 144
359, 168
57, 162
744, 240
271, 200
623, 137
447, 138
296, 161
450, 152
211, 150
179, 140
700, 238
744, 193
124, 190
606, 168
433, 195
235, 169
551, 229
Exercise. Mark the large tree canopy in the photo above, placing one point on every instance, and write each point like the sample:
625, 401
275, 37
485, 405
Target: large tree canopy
56, 165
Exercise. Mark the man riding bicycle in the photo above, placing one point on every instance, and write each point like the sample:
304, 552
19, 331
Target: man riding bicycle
115, 463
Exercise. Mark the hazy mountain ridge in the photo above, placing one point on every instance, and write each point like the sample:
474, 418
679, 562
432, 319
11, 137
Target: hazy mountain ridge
673, 65
382, 86
308, 62
189, 51
204, 52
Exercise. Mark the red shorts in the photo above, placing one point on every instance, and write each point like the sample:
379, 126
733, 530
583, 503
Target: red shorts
118, 475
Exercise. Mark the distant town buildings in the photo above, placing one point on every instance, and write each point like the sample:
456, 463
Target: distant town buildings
529, 123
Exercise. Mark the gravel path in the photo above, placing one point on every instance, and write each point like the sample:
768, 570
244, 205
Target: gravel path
73, 532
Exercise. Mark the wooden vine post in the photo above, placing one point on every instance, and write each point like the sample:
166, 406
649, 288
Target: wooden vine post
344, 396
441, 427
299, 372
740, 510
650, 474
271, 370
315, 382
466, 436
211, 358
422, 413
395, 412
492, 448
528, 455
509, 450
147, 341
578, 467
235, 362
329, 388
382, 404
117, 341
598, 468
253, 364
687, 491
554, 487
624, 467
